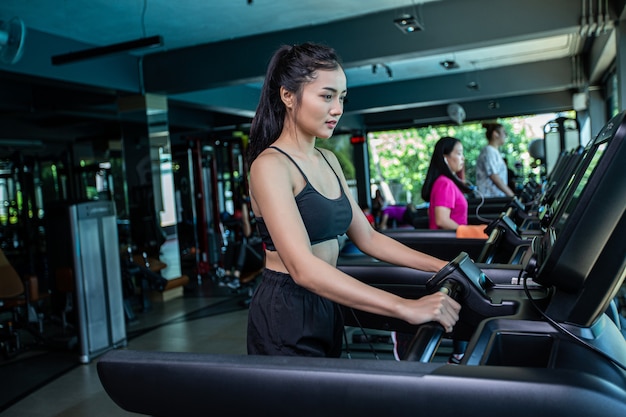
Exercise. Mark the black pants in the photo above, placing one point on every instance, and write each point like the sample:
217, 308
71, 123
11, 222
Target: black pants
286, 319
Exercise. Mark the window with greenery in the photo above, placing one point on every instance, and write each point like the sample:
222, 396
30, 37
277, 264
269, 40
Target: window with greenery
399, 159
342, 148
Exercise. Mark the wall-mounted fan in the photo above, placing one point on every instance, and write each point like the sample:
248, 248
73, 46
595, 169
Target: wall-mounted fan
456, 112
12, 33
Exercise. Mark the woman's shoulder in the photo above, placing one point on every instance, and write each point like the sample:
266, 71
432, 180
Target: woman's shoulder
328, 154
332, 159
443, 180
487, 153
443, 186
492, 150
270, 165
269, 157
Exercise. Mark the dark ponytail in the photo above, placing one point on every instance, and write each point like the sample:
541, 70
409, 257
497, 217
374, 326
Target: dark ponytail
290, 67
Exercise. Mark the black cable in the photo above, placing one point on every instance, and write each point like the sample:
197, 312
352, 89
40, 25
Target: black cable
482, 201
345, 336
563, 330
364, 334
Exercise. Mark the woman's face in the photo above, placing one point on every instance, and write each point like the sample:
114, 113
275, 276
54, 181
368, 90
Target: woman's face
321, 105
455, 158
499, 136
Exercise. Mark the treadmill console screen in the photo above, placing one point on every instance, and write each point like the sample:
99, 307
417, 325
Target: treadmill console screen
597, 152
583, 249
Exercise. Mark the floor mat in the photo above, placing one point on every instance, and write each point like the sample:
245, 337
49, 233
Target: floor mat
24, 374
230, 304
20, 377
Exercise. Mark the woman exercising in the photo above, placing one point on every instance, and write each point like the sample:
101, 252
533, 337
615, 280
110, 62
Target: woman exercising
302, 203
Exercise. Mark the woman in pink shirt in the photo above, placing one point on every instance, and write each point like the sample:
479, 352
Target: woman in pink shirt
448, 210
443, 188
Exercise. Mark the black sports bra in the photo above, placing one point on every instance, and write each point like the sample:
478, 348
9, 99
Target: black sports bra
324, 219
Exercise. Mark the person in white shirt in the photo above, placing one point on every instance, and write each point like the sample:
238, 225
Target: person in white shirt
491, 169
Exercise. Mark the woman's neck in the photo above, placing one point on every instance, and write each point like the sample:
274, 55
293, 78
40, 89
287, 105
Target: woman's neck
296, 142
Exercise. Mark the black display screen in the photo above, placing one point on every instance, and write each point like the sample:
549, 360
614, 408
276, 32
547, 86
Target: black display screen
582, 252
595, 154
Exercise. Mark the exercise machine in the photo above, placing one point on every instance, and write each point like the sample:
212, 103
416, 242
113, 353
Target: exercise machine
542, 346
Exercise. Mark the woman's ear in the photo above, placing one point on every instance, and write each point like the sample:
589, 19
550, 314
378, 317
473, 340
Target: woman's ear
287, 97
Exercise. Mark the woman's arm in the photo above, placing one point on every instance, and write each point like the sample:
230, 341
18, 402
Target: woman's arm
384, 248
494, 161
272, 190
443, 198
381, 246
501, 185
443, 220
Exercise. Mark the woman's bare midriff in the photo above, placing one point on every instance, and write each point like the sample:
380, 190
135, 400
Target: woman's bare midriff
327, 251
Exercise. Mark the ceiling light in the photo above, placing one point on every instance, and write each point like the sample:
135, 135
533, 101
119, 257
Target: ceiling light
150, 42
21, 143
408, 24
449, 64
